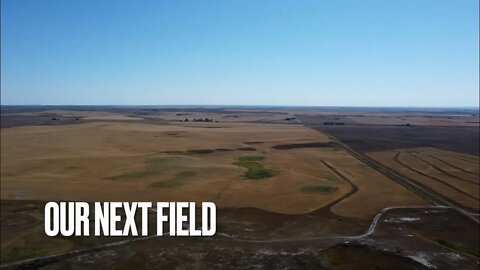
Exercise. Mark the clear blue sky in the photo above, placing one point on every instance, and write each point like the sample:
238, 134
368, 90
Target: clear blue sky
245, 52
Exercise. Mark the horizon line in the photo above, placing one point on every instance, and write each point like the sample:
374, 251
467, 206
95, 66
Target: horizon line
243, 105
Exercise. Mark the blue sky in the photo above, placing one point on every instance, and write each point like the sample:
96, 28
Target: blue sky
245, 52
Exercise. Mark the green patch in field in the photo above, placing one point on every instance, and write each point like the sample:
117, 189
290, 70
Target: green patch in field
180, 179
319, 189
255, 169
154, 166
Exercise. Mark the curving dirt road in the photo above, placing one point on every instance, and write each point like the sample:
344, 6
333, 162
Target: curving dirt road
45, 260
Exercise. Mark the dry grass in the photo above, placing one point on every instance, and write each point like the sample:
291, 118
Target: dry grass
451, 181
113, 161
127, 162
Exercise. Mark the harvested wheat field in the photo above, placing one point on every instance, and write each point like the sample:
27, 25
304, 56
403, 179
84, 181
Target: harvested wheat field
452, 174
274, 167
272, 178
124, 161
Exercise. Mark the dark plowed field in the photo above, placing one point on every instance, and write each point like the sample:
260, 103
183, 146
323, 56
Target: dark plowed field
379, 138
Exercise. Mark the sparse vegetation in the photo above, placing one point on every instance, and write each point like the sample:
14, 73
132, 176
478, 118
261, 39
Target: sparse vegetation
154, 166
29, 250
180, 179
255, 170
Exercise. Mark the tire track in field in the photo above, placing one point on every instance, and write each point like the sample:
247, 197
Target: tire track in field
333, 170
336, 172
397, 159
442, 170
220, 193
466, 160
411, 184
452, 165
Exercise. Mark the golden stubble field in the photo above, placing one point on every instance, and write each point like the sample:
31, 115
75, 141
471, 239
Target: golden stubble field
134, 161
455, 175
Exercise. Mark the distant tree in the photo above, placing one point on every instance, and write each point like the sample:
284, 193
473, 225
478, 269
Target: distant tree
186, 120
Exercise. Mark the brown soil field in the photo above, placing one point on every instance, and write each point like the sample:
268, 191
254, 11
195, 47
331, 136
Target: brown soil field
437, 165
129, 161
376, 191
416, 120
287, 195
432, 168
458, 161
60, 115
115, 157
386, 118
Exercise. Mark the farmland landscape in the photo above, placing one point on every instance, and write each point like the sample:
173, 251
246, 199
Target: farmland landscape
239, 134
295, 187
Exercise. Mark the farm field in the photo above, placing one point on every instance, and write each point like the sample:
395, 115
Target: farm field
437, 170
183, 161
282, 180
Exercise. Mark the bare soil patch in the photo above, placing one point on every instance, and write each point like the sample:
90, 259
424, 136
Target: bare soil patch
369, 138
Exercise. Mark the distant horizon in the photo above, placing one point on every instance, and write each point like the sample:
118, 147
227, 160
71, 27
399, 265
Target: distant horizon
239, 105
